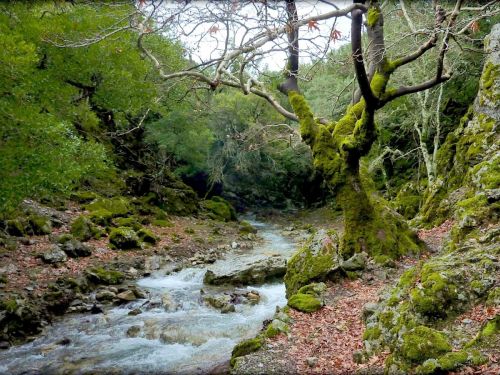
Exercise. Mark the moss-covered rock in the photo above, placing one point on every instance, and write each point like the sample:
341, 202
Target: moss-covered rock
304, 302
100, 275
218, 208
15, 227
117, 206
147, 236
84, 229
162, 223
124, 238
101, 217
84, 196
422, 343
179, 199
131, 221
246, 228
246, 347
39, 225
314, 261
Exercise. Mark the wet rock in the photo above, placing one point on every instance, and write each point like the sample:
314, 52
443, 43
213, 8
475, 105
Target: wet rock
54, 255
64, 341
96, 309
253, 297
105, 295
127, 296
220, 302
76, 249
133, 331
4, 345
254, 273
135, 312
227, 309
168, 303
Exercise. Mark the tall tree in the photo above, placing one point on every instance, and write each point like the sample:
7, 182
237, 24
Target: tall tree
252, 29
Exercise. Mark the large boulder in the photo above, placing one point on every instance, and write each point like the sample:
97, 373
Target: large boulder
124, 238
313, 262
256, 272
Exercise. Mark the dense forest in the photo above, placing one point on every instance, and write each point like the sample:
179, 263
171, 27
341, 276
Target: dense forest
171, 202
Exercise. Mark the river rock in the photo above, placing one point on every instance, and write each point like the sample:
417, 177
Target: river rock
135, 312
221, 302
105, 295
128, 296
168, 303
133, 331
255, 273
54, 255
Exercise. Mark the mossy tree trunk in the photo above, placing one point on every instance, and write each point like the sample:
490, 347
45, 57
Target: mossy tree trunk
338, 147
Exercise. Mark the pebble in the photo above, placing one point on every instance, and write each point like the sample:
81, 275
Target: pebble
312, 361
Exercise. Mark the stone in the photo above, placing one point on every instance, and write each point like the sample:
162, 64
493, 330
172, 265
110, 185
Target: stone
135, 312
256, 272
127, 295
54, 255
105, 295
76, 249
133, 331
368, 310
311, 361
4, 345
355, 263
124, 238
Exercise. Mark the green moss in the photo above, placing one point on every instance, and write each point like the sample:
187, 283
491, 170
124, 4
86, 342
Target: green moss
246, 347
83, 229
15, 227
422, 343
84, 196
130, 221
100, 275
304, 302
373, 16
372, 333
453, 360
39, 225
219, 209
275, 328
118, 206
101, 217
147, 236
162, 223
9, 305
246, 228
314, 289
492, 327
124, 238
312, 262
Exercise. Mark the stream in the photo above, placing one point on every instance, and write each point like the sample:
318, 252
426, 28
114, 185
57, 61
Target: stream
190, 338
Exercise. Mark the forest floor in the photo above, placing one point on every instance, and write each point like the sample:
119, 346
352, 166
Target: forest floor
328, 340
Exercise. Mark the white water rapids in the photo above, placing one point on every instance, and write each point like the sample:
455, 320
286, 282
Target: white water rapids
191, 338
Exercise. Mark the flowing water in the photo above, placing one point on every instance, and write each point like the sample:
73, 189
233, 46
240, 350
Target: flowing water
189, 338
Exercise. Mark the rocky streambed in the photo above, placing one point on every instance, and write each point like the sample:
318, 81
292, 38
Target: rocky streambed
187, 321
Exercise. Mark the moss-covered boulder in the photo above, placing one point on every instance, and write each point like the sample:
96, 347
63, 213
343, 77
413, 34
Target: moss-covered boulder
147, 236
313, 262
117, 206
162, 223
246, 347
422, 343
100, 275
304, 302
39, 225
84, 196
179, 200
84, 229
130, 221
218, 208
246, 228
101, 217
124, 238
